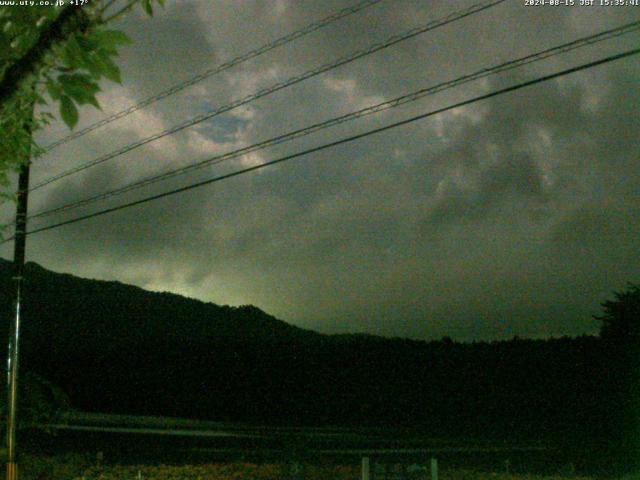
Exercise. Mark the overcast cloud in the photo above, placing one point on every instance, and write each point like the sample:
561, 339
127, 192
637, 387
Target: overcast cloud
513, 216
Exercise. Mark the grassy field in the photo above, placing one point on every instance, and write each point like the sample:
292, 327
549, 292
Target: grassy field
78, 468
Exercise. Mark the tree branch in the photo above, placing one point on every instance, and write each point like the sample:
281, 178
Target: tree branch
71, 20
120, 12
106, 7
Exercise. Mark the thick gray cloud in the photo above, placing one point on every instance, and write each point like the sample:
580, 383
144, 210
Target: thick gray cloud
514, 216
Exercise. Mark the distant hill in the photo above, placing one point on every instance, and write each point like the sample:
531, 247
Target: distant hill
112, 346
116, 348
124, 313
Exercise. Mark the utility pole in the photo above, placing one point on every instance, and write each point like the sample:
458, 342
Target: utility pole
72, 19
14, 336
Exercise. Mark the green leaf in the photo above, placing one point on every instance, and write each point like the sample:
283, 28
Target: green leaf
148, 7
68, 111
54, 89
108, 68
88, 50
87, 43
110, 40
94, 68
79, 79
72, 54
94, 101
80, 87
79, 82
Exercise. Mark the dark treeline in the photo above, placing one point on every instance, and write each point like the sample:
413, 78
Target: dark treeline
119, 349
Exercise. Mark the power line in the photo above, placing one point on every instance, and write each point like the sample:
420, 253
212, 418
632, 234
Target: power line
404, 99
312, 27
278, 86
325, 146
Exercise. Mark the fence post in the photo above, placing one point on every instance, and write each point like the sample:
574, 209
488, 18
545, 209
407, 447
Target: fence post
434, 469
365, 468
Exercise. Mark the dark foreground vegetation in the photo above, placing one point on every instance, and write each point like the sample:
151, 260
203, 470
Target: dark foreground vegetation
119, 349
77, 467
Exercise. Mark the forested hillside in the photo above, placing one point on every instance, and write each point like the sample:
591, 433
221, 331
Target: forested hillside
119, 349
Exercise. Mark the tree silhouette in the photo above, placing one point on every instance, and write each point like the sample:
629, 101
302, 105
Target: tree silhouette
620, 334
621, 318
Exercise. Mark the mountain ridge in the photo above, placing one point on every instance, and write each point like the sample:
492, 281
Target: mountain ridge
134, 302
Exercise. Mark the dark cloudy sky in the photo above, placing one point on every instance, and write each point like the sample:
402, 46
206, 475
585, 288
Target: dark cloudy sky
514, 216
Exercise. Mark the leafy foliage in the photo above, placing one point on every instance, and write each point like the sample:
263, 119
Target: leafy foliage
90, 58
59, 55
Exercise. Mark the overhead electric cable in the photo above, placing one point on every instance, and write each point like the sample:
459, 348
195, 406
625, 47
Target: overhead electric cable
401, 100
325, 146
278, 86
312, 27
